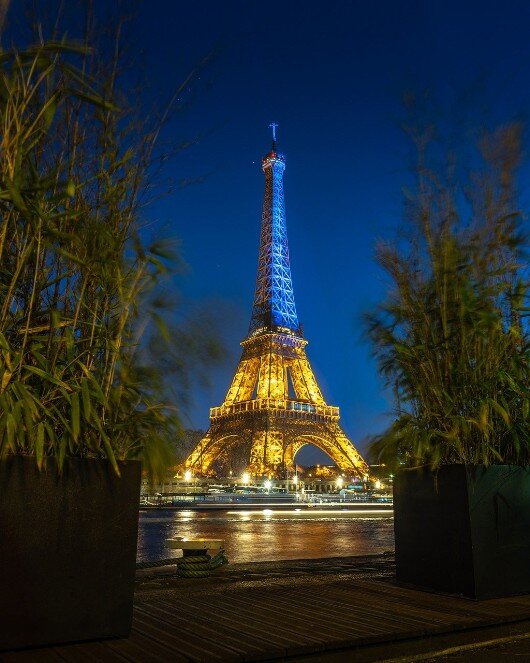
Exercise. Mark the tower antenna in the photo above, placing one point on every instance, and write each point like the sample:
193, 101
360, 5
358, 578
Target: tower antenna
273, 126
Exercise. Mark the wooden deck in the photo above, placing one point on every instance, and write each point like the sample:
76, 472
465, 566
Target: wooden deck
284, 621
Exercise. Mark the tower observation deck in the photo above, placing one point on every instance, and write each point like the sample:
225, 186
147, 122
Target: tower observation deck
274, 406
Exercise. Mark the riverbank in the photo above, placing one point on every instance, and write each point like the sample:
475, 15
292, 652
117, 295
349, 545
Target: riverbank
272, 507
157, 580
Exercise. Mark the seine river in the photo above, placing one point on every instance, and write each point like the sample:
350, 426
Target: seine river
253, 536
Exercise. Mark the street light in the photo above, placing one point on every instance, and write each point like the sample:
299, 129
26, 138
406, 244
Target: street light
245, 478
340, 482
187, 475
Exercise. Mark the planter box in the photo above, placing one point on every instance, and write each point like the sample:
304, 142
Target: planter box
464, 530
67, 551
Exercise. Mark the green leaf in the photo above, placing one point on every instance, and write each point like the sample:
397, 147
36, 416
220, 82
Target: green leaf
48, 377
4, 345
70, 255
74, 400
162, 327
85, 397
11, 427
500, 410
51, 434
62, 453
39, 445
95, 100
110, 455
25, 395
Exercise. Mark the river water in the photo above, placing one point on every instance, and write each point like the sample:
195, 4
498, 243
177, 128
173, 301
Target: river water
254, 536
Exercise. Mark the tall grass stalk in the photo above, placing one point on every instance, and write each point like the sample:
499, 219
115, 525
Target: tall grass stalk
75, 276
451, 338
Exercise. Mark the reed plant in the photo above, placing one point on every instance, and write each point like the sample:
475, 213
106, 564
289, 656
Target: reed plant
451, 338
77, 280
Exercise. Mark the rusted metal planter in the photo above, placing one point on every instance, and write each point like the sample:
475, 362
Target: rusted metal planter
464, 529
67, 551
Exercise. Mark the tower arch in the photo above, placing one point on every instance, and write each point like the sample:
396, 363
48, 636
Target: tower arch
340, 455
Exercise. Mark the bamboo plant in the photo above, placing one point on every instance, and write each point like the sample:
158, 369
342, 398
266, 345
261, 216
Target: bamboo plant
451, 338
76, 278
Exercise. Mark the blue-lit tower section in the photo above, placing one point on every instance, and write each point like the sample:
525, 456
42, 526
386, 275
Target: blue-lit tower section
274, 308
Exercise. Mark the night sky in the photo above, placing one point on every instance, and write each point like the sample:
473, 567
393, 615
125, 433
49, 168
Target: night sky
332, 75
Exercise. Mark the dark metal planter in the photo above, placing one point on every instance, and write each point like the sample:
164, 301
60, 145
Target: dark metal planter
67, 551
464, 530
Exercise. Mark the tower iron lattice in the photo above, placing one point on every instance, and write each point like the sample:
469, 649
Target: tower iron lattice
274, 405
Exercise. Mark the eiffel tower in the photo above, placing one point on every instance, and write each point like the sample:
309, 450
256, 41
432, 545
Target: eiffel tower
274, 405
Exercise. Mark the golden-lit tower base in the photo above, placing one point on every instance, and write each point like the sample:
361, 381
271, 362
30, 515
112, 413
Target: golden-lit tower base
272, 409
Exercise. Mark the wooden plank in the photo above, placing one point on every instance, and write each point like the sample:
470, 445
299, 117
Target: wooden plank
329, 623
337, 634
451, 604
421, 620
358, 617
139, 649
433, 620
390, 618
280, 634
415, 612
459, 616
242, 629
330, 631
387, 595
269, 617
203, 627
188, 645
334, 605
286, 613
366, 628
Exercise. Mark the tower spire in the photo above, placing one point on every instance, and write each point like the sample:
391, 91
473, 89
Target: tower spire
273, 126
274, 308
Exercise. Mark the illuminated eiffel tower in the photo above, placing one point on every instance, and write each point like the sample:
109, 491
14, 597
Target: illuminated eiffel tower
274, 405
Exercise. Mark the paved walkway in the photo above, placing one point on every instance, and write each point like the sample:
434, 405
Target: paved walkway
312, 610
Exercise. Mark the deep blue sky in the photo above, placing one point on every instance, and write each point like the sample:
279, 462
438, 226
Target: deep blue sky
332, 75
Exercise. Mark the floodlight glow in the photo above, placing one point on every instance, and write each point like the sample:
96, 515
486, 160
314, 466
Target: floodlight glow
268, 484
187, 475
245, 477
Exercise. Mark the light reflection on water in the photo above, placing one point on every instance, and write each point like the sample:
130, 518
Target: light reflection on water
269, 535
